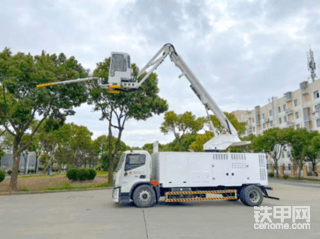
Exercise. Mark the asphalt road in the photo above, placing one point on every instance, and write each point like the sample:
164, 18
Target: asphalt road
92, 214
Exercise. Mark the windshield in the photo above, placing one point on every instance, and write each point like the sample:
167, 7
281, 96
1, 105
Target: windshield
135, 161
120, 162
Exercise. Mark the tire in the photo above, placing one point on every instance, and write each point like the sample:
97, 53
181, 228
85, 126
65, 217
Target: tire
251, 196
231, 195
144, 196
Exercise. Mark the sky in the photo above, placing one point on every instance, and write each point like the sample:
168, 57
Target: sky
243, 52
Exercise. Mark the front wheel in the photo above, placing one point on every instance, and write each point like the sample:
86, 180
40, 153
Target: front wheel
251, 195
144, 196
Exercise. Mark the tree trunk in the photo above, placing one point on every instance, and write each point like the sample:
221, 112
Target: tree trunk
276, 167
314, 165
110, 157
180, 142
15, 168
299, 171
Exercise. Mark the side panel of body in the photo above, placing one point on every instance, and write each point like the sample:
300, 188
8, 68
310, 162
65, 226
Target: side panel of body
175, 169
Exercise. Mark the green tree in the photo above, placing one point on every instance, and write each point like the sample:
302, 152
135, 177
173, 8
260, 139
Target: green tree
117, 109
273, 142
300, 141
21, 101
239, 126
101, 147
315, 143
181, 124
201, 139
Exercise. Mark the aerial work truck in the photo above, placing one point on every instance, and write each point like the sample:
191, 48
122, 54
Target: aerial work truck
183, 176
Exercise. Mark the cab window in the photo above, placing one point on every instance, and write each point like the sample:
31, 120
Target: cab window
134, 161
120, 162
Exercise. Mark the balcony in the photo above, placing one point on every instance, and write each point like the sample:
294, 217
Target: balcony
288, 96
289, 111
265, 120
306, 118
290, 123
249, 126
304, 87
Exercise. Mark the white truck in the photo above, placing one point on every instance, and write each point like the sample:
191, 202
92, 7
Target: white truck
190, 176
183, 176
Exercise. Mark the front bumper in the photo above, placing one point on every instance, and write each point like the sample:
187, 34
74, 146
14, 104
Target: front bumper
116, 195
119, 197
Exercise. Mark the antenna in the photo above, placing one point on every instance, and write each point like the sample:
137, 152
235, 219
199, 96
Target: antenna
311, 65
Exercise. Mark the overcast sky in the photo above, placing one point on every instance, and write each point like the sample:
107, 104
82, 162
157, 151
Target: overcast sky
243, 52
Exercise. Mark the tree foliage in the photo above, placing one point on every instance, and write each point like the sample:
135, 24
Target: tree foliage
117, 109
21, 101
181, 124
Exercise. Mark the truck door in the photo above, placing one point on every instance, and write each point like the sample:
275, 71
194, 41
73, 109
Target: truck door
135, 170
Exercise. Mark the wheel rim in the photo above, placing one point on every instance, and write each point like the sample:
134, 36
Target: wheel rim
144, 196
254, 196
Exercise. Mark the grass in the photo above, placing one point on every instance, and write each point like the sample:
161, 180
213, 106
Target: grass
44, 176
302, 179
67, 186
99, 173
24, 190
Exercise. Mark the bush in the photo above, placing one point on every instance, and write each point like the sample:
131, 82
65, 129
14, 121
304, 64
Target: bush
31, 171
285, 176
309, 174
72, 174
271, 175
9, 172
82, 174
2, 175
92, 174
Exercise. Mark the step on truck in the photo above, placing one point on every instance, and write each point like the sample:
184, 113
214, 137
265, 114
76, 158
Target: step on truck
182, 177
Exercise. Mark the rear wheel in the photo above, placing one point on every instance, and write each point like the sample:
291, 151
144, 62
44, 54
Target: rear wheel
144, 196
251, 195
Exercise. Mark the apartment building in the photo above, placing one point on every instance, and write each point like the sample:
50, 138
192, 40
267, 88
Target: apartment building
296, 109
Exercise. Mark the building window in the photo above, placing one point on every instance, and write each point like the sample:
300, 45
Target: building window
298, 126
316, 94
279, 109
289, 166
295, 102
263, 116
317, 109
270, 113
318, 122
267, 166
254, 129
264, 125
284, 107
252, 120
297, 115
279, 120
285, 119
271, 123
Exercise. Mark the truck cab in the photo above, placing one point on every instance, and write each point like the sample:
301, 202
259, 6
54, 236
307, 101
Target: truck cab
133, 169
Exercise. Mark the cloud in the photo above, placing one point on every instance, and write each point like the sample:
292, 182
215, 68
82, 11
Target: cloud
243, 52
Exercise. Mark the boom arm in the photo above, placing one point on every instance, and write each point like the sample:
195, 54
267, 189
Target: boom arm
120, 76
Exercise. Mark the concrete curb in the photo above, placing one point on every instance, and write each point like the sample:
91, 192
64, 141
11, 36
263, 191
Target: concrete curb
53, 191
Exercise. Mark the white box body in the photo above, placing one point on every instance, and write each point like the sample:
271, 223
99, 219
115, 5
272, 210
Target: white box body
208, 169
